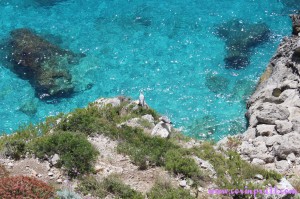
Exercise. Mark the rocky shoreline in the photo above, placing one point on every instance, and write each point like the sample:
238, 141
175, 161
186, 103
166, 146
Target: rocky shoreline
273, 136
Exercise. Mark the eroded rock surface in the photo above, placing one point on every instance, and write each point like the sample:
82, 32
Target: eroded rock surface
273, 136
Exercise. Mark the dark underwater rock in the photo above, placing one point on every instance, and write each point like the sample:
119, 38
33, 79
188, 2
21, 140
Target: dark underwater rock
48, 3
43, 63
216, 83
295, 24
29, 107
240, 37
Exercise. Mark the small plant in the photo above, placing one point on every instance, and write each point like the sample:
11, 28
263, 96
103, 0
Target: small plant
24, 187
164, 190
67, 194
111, 185
76, 153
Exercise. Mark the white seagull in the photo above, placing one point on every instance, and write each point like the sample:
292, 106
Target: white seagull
142, 99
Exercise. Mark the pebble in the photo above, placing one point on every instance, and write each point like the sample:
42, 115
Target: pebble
50, 174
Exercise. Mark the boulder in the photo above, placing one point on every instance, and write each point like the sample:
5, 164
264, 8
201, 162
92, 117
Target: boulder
162, 130
289, 143
54, 160
296, 24
282, 165
148, 118
46, 65
268, 113
283, 127
265, 130
273, 140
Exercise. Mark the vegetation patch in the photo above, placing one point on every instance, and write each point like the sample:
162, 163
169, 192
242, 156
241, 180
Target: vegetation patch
111, 185
24, 187
164, 190
77, 155
232, 171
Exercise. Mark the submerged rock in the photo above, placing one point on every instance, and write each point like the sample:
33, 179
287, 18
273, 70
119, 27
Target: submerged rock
216, 83
29, 107
240, 37
43, 63
48, 3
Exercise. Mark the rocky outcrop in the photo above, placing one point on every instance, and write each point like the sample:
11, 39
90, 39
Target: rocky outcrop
43, 63
240, 37
273, 136
296, 24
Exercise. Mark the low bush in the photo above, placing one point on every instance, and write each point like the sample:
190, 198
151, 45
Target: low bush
111, 185
67, 194
179, 163
164, 190
231, 170
23, 187
77, 155
81, 120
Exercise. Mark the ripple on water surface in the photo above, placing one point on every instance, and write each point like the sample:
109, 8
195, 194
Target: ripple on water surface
169, 49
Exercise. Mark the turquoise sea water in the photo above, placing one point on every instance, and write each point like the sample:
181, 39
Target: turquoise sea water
168, 49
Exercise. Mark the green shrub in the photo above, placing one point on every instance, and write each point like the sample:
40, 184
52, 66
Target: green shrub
15, 145
164, 190
81, 120
144, 149
15, 149
178, 162
110, 185
233, 167
76, 153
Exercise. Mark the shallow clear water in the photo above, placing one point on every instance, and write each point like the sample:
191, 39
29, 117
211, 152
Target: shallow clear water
166, 48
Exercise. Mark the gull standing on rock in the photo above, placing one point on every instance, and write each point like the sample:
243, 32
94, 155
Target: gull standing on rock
142, 99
